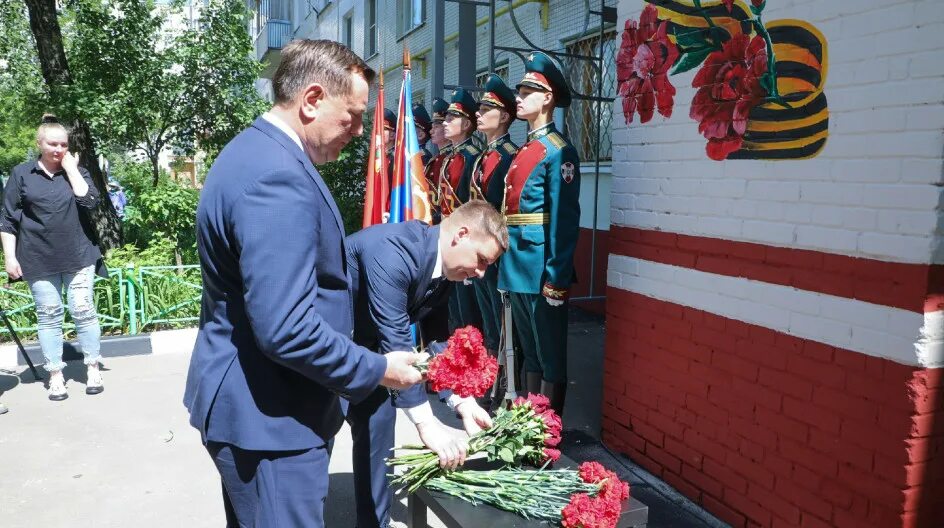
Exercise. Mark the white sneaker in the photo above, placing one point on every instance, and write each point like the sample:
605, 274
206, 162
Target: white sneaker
94, 384
57, 386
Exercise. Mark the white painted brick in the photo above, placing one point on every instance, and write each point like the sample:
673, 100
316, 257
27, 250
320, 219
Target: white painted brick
868, 315
826, 215
925, 117
773, 190
927, 64
859, 219
641, 219
923, 171
723, 188
680, 187
905, 324
799, 213
654, 271
929, 11
909, 40
766, 315
895, 247
908, 222
878, 120
709, 206
873, 71
871, 96
643, 186
869, 339
789, 299
659, 204
745, 208
842, 240
877, 20
831, 193
920, 197
772, 210
621, 201
719, 227
617, 217
918, 144
820, 329
868, 170
613, 278
778, 233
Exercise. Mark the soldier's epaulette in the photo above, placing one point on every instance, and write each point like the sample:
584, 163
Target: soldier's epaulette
556, 139
509, 147
470, 149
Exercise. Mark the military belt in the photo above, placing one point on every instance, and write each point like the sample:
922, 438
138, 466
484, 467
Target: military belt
528, 219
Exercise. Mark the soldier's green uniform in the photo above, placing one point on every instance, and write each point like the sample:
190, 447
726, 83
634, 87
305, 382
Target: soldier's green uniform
454, 181
488, 183
543, 213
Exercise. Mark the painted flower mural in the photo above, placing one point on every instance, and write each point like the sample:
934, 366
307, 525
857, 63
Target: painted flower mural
729, 87
758, 86
642, 67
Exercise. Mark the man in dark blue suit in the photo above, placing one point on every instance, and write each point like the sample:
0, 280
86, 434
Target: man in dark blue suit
273, 354
400, 274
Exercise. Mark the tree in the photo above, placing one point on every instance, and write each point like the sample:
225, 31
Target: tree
47, 35
147, 85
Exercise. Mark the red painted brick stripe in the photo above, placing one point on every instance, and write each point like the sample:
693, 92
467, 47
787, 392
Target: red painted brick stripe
915, 287
764, 428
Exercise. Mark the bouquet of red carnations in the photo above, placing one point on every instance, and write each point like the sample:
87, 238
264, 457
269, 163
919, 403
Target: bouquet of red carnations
465, 367
528, 432
590, 497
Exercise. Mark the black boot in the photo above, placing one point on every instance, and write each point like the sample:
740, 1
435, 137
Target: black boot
556, 392
533, 382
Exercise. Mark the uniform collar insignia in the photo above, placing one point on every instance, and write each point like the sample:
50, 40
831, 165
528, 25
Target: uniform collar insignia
538, 133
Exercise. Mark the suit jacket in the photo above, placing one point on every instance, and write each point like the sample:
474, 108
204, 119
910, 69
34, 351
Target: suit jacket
391, 275
274, 351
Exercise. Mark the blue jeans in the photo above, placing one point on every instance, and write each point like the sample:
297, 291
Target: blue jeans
47, 294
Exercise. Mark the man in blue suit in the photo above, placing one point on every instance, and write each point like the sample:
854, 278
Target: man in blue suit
273, 354
400, 274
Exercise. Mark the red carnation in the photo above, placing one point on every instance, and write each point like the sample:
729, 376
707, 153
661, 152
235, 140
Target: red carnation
592, 472
642, 67
552, 428
551, 454
581, 512
465, 367
538, 402
728, 88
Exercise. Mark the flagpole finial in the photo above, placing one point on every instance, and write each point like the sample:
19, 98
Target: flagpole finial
406, 57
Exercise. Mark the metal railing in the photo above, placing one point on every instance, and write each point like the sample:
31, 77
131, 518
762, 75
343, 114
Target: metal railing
131, 300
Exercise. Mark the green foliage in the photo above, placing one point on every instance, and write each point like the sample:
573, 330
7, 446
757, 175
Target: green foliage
346, 180
165, 214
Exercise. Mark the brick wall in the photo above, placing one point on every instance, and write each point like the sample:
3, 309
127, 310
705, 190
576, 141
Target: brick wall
775, 332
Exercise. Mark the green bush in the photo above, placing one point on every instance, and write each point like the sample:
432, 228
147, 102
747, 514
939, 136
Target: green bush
346, 180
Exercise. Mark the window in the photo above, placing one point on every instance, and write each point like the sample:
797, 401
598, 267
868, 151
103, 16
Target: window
347, 31
581, 120
410, 15
370, 28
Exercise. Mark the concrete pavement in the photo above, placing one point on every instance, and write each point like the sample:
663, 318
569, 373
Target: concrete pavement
128, 457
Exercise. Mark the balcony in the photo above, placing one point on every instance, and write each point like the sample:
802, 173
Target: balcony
273, 30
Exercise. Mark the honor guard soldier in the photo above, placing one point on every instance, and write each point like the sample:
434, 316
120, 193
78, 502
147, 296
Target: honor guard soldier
543, 212
454, 180
438, 138
497, 111
423, 125
390, 139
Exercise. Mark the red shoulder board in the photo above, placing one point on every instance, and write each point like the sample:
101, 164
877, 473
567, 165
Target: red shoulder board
527, 158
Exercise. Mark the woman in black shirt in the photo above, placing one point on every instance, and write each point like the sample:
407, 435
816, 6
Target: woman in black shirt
47, 241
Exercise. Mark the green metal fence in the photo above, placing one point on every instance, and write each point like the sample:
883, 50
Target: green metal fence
131, 300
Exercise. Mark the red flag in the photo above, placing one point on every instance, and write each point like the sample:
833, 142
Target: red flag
377, 195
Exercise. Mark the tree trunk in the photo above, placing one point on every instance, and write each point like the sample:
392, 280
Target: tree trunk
44, 24
155, 167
